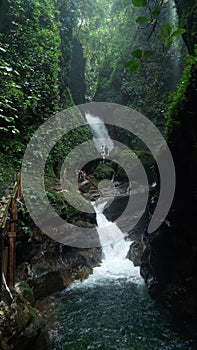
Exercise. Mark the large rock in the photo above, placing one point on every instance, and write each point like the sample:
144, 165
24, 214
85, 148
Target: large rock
49, 283
22, 326
169, 268
135, 253
55, 266
81, 261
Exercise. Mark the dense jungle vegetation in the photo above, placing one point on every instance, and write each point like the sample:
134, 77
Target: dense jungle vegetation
55, 54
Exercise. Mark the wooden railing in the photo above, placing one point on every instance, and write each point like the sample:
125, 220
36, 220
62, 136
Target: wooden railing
8, 220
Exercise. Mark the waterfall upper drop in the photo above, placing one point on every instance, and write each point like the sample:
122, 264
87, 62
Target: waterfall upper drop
100, 132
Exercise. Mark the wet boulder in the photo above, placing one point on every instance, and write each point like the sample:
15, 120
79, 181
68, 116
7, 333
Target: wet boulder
135, 253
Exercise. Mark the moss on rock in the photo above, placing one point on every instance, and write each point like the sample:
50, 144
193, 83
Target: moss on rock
22, 326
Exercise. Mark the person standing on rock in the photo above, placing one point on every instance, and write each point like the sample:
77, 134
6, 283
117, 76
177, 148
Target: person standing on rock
102, 152
64, 178
106, 151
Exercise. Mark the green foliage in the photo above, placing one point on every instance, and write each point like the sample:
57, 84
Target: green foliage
30, 66
178, 32
178, 99
103, 171
148, 53
156, 11
142, 20
133, 65
139, 3
166, 31
35, 56
77, 74
9, 88
139, 55
34, 64
126, 157
64, 209
26, 291
156, 71
102, 27
64, 146
7, 174
130, 161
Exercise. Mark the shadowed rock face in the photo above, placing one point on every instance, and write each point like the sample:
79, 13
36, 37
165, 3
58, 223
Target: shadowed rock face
186, 10
135, 253
54, 267
169, 258
23, 327
44, 268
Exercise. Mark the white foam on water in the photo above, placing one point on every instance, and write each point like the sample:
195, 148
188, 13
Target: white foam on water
115, 247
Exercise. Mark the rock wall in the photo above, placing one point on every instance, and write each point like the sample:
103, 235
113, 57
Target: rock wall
52, 267
43, 267
169, 258
21, 325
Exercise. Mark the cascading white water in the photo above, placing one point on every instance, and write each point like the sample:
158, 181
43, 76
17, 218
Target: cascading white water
114, 245
115, 248
100, 132
176, 49
108, 231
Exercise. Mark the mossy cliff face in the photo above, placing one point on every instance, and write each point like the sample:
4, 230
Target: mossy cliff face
45, 264
170, 255
21, 325
52, 267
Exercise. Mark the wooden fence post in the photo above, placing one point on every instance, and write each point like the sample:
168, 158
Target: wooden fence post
7, 254
12, 238
1, 259
20, 190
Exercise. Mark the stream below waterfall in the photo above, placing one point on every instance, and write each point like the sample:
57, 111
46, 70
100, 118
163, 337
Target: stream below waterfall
115, 314
112, 309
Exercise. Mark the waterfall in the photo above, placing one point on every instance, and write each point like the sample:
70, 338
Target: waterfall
115, 247
100, 132
177, 49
